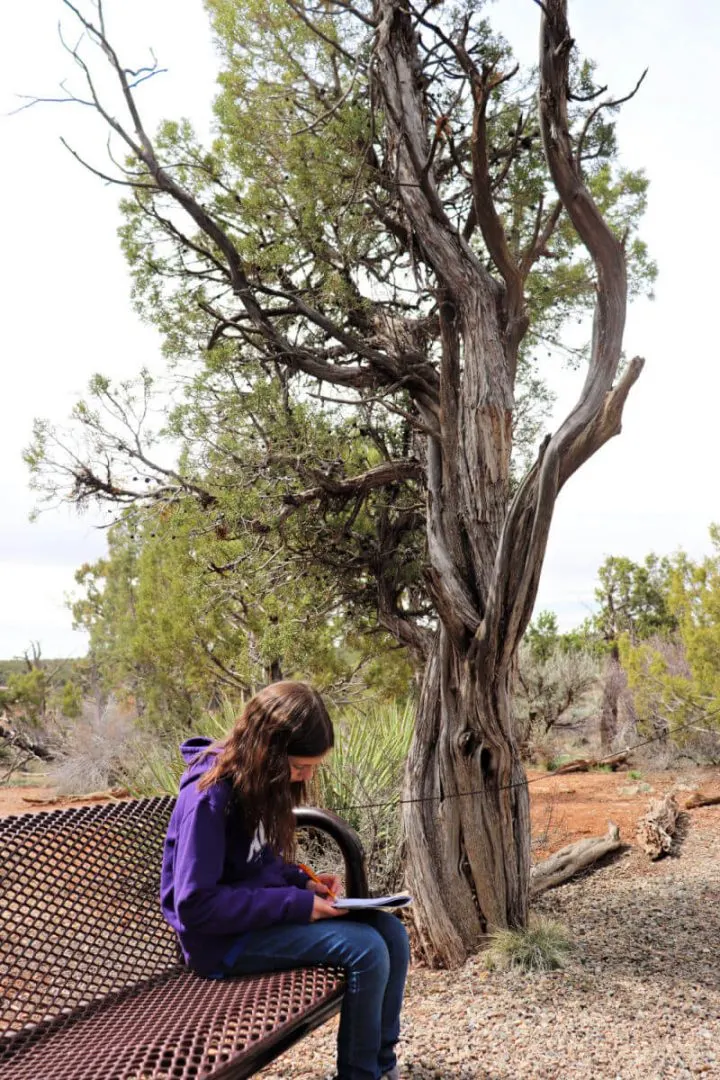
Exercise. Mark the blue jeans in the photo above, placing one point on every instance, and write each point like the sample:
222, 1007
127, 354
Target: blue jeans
372, 947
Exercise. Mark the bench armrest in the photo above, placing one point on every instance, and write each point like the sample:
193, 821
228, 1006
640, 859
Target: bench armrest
356, 882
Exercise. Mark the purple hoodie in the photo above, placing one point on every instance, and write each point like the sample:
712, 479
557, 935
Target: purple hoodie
217, 881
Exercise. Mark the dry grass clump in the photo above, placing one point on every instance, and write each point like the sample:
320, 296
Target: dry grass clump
543, 945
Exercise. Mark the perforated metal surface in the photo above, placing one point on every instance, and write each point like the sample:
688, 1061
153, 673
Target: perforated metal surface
79, 907
91, 987
184, 1027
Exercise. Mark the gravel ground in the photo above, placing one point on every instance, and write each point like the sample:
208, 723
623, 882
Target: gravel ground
640, 997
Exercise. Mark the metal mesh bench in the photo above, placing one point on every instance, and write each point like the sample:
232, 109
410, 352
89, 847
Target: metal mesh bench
92, 984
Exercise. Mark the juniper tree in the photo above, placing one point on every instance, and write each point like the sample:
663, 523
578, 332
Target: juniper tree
391, 228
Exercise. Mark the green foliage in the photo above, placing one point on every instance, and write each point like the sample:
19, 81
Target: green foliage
675, 679
695, 603
11, 667
28, 693
542, 636
634, 598
557, 762
36, 689
172, 636
71, 700
584, 638
544, 945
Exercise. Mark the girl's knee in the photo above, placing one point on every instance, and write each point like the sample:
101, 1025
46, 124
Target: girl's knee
395, 935
370, 952
401, 939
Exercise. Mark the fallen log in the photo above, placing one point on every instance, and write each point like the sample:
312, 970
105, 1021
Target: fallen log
585, 764
700, 799
93, 796
656, 828
570, 860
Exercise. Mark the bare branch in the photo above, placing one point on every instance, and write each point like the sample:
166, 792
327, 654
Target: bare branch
489, 221
102, 175
346, 6
604, 105
596, 417
390, 472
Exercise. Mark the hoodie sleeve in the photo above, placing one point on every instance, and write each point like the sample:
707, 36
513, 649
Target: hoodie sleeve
286, 873
203, 903
293, 875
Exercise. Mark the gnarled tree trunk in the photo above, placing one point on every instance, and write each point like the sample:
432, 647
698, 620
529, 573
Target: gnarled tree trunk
469, 854
468, 857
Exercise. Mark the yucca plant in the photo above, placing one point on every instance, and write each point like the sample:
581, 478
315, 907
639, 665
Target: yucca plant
361, 781
367, 761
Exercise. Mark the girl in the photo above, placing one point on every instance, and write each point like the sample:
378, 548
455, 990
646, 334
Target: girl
238, 907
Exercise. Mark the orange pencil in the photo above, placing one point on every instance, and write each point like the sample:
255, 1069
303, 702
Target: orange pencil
313, 877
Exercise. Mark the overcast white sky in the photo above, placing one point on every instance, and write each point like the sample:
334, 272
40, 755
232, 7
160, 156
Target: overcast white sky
67, 312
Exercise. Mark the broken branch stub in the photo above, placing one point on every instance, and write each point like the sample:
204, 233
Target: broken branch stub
656, 828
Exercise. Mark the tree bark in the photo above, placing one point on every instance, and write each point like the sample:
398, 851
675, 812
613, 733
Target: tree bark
585, 764
468, 855
467, 818
700, 799
16, 738
610, 699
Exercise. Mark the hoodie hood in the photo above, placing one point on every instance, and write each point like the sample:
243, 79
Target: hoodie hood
191, 750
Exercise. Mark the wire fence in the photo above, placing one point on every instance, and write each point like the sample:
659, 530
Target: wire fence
520, 783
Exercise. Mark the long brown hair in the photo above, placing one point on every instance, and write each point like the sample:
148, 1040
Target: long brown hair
284, 718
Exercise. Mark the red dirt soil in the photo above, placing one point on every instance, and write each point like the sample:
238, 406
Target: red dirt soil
563, 808
571, 807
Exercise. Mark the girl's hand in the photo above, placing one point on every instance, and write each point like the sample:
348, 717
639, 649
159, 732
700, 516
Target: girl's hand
323, 909
328, 883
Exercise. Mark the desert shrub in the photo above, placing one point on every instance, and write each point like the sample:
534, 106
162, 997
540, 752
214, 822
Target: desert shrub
96, 751
555, 692
674, 703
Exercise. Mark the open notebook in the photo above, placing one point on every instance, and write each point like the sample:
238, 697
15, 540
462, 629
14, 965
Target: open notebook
398, 900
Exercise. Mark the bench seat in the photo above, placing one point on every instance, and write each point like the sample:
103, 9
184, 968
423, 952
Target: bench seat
89, 973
